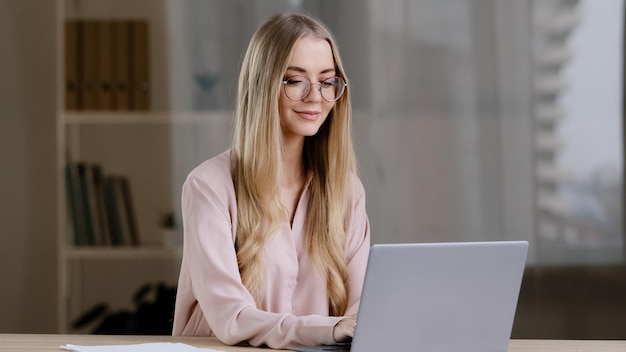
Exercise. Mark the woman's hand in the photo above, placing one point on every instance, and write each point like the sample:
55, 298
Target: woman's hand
344, 329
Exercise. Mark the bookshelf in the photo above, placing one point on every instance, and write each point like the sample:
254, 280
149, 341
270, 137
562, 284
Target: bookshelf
147, 138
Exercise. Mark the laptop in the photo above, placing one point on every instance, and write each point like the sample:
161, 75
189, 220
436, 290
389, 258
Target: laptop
456, 296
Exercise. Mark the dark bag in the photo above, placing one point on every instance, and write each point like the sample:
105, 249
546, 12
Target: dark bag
151, 317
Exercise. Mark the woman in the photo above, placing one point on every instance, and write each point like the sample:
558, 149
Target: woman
276, 233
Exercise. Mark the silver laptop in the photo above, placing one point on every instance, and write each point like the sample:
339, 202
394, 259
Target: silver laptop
458, 296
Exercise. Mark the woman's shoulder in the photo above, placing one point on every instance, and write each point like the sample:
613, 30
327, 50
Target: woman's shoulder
355, 186
216, 170
355, 181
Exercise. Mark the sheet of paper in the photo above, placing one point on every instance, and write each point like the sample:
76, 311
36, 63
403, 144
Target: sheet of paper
141, 347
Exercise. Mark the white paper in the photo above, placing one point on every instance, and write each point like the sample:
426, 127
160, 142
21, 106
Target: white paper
141, 347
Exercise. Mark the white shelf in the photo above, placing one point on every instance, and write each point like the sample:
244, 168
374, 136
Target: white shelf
115, 118
154, 148
119, 253
156, 117
86, 136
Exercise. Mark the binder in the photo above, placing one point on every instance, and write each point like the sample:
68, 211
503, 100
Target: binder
71, 64
140, 65
120, 65
89, 65
107, 65
104, 71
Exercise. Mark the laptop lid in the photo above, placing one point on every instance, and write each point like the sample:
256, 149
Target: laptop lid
440, 296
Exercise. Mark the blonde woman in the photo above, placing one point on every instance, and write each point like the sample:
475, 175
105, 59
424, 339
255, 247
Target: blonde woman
276, 232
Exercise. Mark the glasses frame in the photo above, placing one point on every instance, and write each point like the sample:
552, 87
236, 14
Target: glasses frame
319, 88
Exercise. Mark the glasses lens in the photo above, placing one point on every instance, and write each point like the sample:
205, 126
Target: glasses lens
297, 87
332, 88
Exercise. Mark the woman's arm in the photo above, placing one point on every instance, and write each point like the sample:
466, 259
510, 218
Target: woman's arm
209, 217
357, 244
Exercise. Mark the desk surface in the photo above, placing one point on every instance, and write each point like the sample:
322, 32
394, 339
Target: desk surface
46, 343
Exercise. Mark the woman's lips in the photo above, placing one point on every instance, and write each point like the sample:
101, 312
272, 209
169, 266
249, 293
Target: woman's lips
309, 115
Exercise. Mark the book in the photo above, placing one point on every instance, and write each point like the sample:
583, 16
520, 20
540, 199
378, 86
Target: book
104, 238
92, 219
87, 237
111, 204
74, 203
91, 206
129, 211
120, 211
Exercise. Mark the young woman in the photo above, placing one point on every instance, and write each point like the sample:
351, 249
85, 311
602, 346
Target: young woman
276, 232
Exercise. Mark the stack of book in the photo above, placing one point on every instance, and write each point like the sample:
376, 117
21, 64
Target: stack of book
100, 207
107, 65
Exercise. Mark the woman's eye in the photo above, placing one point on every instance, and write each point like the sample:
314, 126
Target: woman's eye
328, 83
293, 81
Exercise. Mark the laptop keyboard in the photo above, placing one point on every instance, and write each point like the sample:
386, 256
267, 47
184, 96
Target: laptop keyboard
337, 348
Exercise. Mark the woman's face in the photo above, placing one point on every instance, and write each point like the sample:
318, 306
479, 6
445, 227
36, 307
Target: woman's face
311, 58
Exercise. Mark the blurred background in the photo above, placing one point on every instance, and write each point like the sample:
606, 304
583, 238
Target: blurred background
474, 120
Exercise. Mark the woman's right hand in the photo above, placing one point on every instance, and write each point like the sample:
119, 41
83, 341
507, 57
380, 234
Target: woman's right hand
344, 329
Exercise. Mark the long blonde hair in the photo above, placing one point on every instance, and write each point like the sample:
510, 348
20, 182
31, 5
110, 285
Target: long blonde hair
328, 158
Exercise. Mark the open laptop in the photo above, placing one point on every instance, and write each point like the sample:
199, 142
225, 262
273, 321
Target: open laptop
457, 296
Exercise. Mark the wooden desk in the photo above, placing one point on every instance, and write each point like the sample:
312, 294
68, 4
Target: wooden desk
47, 343
566, 346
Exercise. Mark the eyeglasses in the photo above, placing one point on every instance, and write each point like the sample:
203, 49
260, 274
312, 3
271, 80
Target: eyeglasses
298, 87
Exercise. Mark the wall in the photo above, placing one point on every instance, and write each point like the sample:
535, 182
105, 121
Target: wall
27, 179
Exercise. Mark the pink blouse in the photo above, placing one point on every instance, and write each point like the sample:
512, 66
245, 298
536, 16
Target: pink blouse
212, 301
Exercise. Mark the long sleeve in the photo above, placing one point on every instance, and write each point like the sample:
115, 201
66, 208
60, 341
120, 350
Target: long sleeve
211, 299
357, 246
